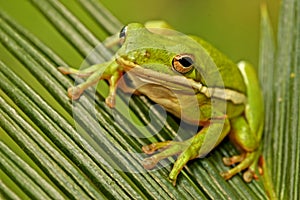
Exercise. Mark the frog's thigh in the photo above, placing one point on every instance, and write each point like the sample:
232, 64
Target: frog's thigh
201, 144
241, 135
210, 136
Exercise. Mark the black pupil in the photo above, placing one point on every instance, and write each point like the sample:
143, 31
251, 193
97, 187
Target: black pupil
123, 32
185, 61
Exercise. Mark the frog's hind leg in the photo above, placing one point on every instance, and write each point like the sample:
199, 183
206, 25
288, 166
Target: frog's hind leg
246, 141
189, 149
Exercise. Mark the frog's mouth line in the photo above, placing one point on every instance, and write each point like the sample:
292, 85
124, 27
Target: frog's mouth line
180, 83
175, 82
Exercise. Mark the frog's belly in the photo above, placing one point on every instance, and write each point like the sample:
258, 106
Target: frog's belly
183, 105
192, 108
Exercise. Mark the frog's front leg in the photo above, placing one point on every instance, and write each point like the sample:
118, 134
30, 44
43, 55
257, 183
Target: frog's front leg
187, 150
109, 71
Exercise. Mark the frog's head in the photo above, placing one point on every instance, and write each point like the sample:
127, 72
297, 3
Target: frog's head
161, 50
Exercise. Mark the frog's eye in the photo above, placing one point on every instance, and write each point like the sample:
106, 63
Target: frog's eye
122, 34
183, 63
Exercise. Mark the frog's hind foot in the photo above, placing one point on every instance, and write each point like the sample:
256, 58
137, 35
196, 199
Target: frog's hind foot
185, 149
248, 161
166, 148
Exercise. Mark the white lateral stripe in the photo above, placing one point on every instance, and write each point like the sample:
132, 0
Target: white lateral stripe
226, 94
220, 93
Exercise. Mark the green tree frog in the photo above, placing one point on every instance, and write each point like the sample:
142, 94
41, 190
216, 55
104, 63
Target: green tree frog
165, 63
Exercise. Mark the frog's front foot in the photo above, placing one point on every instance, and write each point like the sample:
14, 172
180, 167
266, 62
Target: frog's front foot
248, 161
74, 92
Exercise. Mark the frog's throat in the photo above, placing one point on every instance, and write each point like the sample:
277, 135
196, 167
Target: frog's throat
151, 76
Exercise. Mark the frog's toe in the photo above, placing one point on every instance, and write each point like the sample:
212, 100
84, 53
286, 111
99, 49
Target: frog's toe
69, 70
74, 92
151, 148
247, 161
65, 70
234, 159
249, 175
150, 163
110, 101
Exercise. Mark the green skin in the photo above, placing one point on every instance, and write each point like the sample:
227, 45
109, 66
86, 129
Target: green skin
146, 52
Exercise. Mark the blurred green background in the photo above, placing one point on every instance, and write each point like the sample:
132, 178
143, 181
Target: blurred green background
230, 25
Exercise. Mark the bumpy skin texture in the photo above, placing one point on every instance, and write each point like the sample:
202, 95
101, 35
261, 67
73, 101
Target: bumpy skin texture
151, 55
